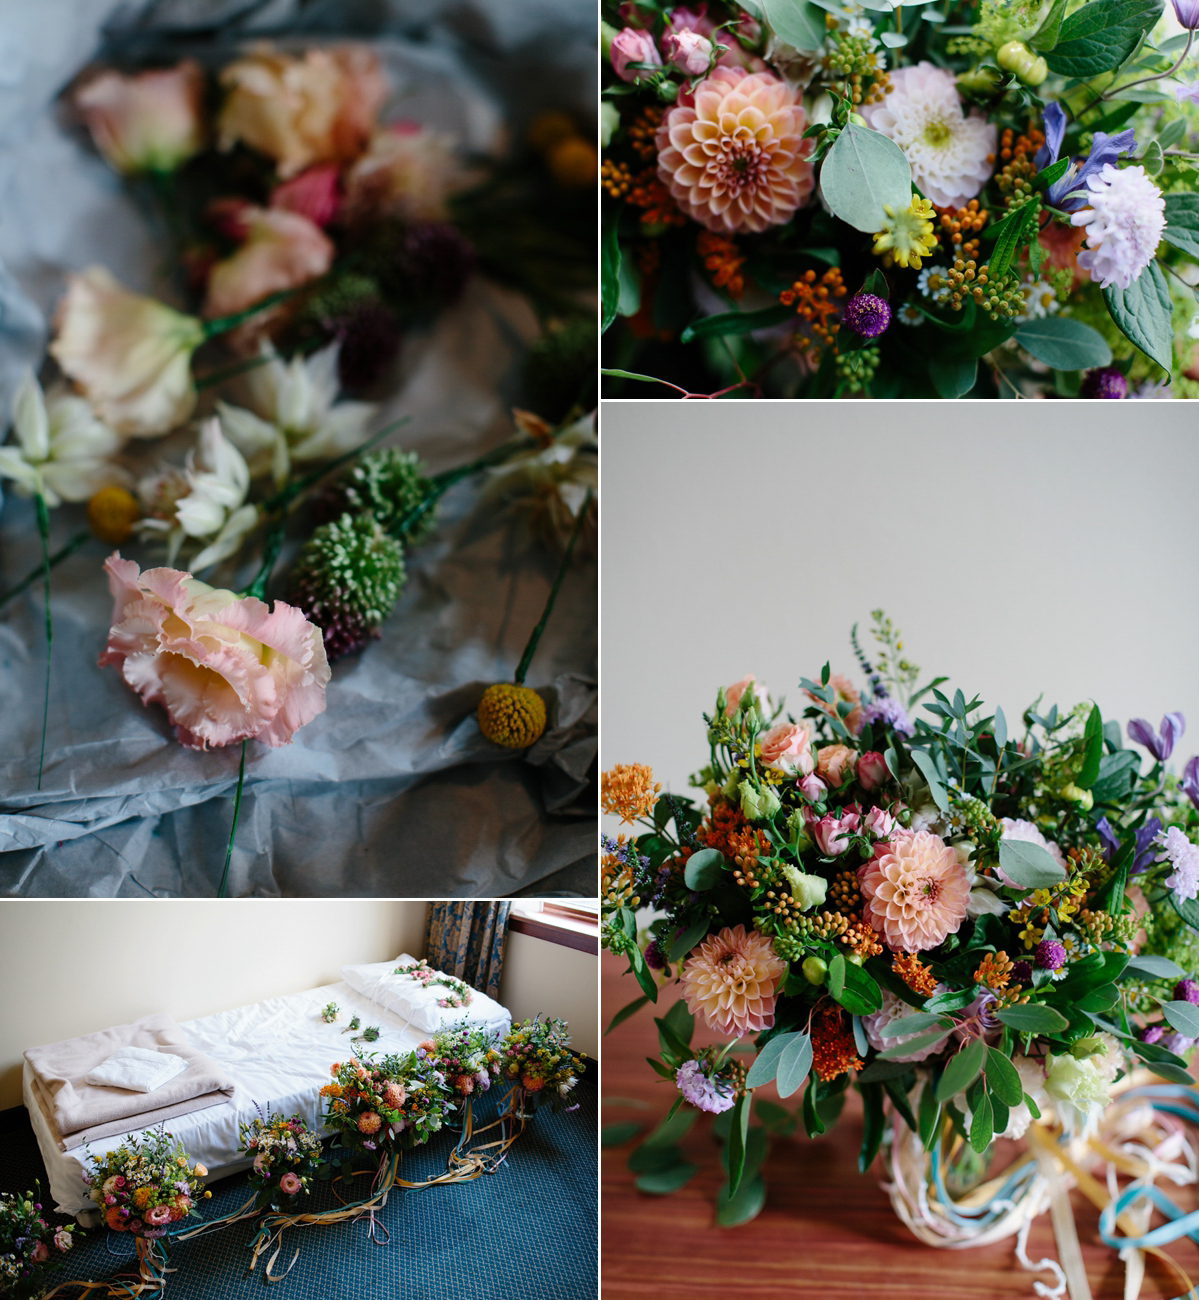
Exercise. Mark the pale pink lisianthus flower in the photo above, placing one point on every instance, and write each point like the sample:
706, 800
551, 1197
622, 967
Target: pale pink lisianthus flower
290, 1183
787, 747
129, 355
149, 122
731, 980
688, 51
734, 158
225, 668
314, 193
915, 891
158, 1215
408, 171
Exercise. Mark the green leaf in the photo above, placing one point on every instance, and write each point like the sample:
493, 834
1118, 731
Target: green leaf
1064, 344
1168, 1070
982, 1126
1182, 221
629, 374
1093, 735
1003, 1078
704, 870
1014, 234
612, 1135
800, 25
953, 379
664, 1181
1029, 865
1116, 775
649, 1158
899, 1099
794, 1064
625, 1012
812, 1121
1183, 1016
928, 769
644, 976
688, 939
669, 1043
776, 1119
873, 1124
1188, 909
1033, 1018
913, 1045
914, 1024
1045, 37
1047, 176
1144, 314
1100, 36
962, 1070
1099, 999
859, 993
609, 268
736, 322
745, 1204
864, 173
928, 1115
765, 1068
738, 1131
836, 975
1155, 967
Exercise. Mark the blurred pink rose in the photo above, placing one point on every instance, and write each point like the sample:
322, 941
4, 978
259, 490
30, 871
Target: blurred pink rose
787, 747
813, 788
832, 833
149, 122
734, 693
872, 770
225, 668
688, 51
631, 45
835, 764
290, 1183
683, 19
408, 171
41, 1253
315, 193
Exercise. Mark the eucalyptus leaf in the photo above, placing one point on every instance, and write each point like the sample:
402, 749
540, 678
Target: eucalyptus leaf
704, 869
1183, 1016
863, 173
914, 1024
1182, 219
1033, 1018
962, 1070
1064, 344
800, 25
743, 1205
1028, 865
1155, 967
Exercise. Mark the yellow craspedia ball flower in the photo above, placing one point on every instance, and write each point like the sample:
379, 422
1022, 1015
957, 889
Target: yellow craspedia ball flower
112, 512
511, 715
573, 163
548, 129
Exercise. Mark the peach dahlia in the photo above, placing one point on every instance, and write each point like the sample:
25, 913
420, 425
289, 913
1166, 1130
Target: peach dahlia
731, 980
915, 891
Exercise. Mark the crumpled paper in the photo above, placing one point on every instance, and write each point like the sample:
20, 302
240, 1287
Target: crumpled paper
391, 791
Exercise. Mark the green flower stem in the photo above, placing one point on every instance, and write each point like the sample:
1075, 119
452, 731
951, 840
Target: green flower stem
531, 648
57, 558
214, 377
440, 484
223, 324
43, 527
1156, 76
241, 781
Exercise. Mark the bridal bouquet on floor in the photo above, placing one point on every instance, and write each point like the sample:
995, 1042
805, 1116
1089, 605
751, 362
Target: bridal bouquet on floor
825, 198
28, 1246
987, 926
146, 1185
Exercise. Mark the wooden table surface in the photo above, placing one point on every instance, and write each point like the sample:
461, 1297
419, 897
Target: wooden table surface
826, 1231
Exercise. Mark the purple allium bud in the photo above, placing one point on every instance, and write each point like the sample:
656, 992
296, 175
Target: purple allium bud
1021, 972
654, 957
1187, 991
1105, 382
1151, 1034
1050, 955
867, 314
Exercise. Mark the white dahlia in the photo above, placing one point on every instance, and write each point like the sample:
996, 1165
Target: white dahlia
1124, 225
952, 155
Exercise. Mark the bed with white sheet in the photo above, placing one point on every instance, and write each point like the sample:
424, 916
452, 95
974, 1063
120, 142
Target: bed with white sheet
278, 1053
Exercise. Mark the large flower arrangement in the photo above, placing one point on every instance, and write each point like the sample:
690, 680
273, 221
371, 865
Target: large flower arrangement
980, 926
27, 1246
831, 198
536, 1057
286, 1155
146, 1184
468, 1057
379, 1106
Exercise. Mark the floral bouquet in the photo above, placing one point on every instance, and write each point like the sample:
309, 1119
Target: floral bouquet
395, 1102
25, 1246
536, 1057
468, 1057
826, 198
460, 994
286, 1156
147, 1184
982, 928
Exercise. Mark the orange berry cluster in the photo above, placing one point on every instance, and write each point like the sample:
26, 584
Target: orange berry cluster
649, 193
723, 258
642, 129
1016, 153
815, 303
914, 973
616, 178
833, 1048
962, 227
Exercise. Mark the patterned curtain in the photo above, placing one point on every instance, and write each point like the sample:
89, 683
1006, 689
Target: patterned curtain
467, 940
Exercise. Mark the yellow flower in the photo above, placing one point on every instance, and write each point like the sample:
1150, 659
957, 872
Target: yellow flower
907, 236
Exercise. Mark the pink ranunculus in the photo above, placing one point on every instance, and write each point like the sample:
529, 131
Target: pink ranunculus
633, 46
688, 51
41, 1253
813, 788
787, 747
225, 668
149, 122
832, 833
315, 194
290, 1183
158, 1215
872, 770
835, 763
879, 822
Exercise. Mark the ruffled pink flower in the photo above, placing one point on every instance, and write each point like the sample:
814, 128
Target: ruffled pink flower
290, 1183
915, 889
835, 764
876, 1024
735, 159
158, 1215
225, 668
152, 121
880, 822
787, 747
813, 788
315, 193
41, 1253
732, 980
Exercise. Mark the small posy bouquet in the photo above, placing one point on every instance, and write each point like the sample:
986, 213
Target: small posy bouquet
147, 1184
27, 1246
536, 1057
826, 198
460, 993
467, 1057
286, 1156
329, 1012
980, 926
397, 1101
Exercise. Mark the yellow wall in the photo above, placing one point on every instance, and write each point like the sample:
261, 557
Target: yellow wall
555, 980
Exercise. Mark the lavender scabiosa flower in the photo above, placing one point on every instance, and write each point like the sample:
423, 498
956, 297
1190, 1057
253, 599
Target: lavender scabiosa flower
1184, 856
1123, 224
1177, 1043
891, 713
702, 1090
1159, 744
1106, 382
1187, 991
867, 314
1151, 1034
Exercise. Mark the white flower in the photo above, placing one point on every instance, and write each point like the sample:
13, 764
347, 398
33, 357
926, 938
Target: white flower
1079, 1084
1124, 225
295, 415
952, 155
407, 171
1040, 299
549, 483
910, 314
1184, 880
1193, 327
939, 294
62, 450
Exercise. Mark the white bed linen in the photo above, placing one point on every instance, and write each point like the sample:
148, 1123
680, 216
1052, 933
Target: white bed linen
278, 1053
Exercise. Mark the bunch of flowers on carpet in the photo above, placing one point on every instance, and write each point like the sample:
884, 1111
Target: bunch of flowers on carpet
460, 993
378, 1105
536, 1057
286, 1155
146, 1184
979, 923
28, 1245
837, 199
467, 1056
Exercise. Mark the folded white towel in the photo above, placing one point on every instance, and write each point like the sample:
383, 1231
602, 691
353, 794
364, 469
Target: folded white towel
137, 1069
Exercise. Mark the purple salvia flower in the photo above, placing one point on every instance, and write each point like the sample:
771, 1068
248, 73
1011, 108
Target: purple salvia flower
1161, 744
891, 712
1187, 13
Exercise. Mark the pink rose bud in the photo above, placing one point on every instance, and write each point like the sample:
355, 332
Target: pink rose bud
832, 833
313, 193
688, 51
813, 788
633, 46
835, 764
879, 822
693, 20
872, 770
149, 122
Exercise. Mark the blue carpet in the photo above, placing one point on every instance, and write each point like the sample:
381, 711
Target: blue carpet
527, 1232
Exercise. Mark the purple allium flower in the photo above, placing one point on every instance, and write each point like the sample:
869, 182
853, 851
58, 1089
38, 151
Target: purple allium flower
1107, 382
1187, 991
1151, 1034
1187, 13
703, 1091
867, 314
655, 958
1105, 149
1050, 955
1178, 850
890, 712
1021, 972
1159, 744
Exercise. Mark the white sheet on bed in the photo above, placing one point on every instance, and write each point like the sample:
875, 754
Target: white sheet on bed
278, 1053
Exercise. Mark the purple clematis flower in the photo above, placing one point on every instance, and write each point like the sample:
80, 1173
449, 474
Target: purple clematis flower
1187, 12
1147, 849
1190, 780
1104, 149
1187, 94
1160, 745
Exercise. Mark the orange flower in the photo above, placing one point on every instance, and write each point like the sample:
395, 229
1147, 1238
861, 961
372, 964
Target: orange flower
629, 790
731, 980
833, 1048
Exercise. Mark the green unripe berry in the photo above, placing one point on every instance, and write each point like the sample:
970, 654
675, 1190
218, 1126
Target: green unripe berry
814, 969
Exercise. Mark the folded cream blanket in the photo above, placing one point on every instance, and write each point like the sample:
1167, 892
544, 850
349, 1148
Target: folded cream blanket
80, 1111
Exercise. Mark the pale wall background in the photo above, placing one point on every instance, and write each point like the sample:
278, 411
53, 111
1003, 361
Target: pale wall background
1022, 548
69, 967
